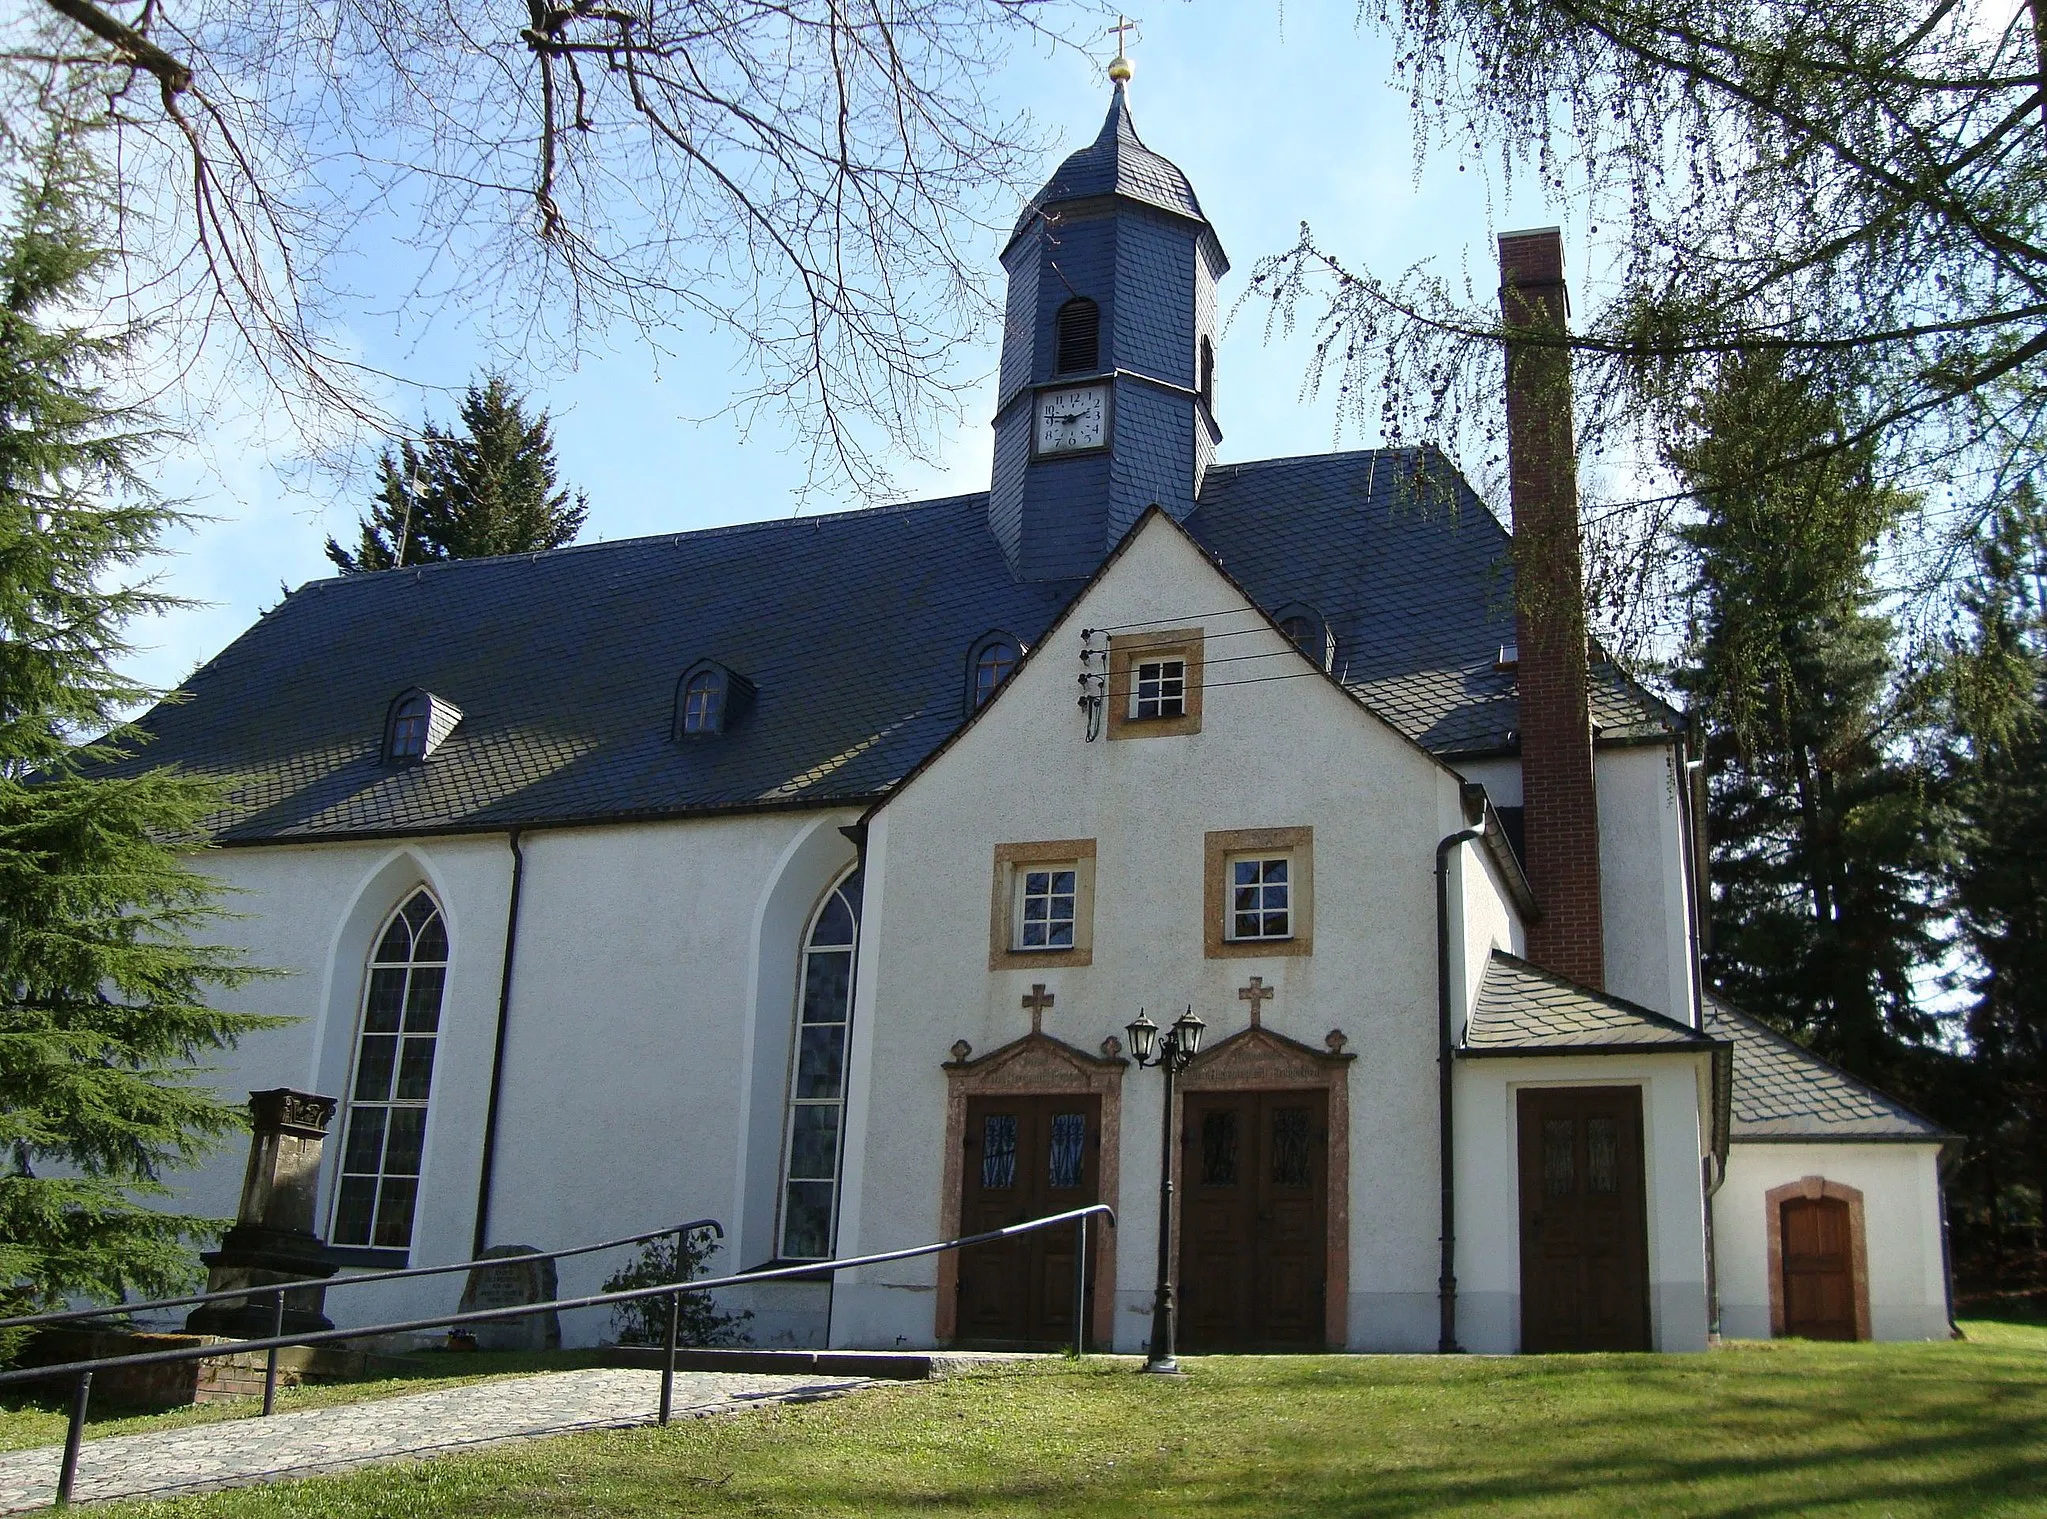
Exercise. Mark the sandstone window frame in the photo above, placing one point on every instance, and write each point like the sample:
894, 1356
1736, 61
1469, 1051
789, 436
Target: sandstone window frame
1005, 925
1221, 848
1127, 652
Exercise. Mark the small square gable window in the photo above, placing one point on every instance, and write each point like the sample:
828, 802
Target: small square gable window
417, 724
708, 699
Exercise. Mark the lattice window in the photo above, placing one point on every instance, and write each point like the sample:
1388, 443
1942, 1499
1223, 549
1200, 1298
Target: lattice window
1219, 1148
1045, 908
1559, 1166
1261, 897
1160, 689
817, 1088
1602, 1155
385, 1137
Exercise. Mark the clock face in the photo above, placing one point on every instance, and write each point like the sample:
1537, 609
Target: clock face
1073, 419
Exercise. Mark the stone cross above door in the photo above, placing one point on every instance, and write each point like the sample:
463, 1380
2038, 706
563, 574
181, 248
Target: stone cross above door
1257, 994
1037, 999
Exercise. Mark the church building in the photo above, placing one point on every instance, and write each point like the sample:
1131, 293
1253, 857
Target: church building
805, 874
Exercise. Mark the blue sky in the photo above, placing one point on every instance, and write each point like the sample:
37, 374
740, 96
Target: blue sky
1278, 115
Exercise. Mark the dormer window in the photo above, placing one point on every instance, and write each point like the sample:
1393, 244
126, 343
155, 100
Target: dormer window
1079, 336
708, 698
989, 664
417, 723
1306, 630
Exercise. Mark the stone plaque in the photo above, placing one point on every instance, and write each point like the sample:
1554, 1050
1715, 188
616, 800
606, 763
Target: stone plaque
512, 1280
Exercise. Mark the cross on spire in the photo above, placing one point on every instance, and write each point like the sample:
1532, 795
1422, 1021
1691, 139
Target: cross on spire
1119, 66
1037, 999
1257, 994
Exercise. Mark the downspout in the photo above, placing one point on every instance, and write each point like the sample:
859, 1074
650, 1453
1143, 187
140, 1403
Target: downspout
1446, 1279
497, 1054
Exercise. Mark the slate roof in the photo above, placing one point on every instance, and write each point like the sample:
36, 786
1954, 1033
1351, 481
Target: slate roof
854, 627
1785, 1092
1524, 1010
1117, 163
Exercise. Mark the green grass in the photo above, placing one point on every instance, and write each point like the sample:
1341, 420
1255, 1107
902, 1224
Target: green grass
39, 1419
1750, 1431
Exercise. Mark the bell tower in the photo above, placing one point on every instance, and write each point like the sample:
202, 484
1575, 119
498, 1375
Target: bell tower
1106, 401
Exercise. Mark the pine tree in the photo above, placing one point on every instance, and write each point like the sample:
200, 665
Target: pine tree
1999, 691
1820, 809
489, 489
103, 991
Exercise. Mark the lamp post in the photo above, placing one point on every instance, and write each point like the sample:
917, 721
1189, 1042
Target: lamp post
1170, 1052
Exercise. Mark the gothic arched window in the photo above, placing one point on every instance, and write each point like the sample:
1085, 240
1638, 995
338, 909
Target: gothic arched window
1079, 336
817, 1084
385, 1137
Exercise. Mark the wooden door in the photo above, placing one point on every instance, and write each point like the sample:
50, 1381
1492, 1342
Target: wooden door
1025, 1157
1819, 1270
1254, 1210
1584, 1222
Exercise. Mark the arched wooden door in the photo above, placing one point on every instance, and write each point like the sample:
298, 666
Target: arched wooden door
1819, 1268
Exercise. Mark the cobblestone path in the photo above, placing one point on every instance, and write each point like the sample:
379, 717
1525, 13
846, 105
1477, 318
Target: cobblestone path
240, 1451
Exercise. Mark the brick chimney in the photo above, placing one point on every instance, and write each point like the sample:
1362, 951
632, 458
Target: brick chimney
1560, 808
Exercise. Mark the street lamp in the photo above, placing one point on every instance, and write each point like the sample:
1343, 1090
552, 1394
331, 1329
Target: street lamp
1180, 1044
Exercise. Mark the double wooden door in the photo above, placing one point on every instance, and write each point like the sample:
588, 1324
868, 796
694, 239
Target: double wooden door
1025, 1157
1584, 1223
1254, 1211
1819, 1271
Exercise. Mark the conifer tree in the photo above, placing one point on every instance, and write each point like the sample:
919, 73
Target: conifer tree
1823, 849
104, 1006
1999, 690
489, 489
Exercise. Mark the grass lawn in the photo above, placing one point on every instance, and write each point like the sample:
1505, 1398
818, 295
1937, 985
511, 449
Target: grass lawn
40, 1419
1752, 1430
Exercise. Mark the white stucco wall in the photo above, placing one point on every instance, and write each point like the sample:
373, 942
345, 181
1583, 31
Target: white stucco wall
646, 1061
1274, 753
1644, 885
1900, 1186
1488, 1190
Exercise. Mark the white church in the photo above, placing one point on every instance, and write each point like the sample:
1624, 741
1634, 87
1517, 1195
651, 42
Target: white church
805, 874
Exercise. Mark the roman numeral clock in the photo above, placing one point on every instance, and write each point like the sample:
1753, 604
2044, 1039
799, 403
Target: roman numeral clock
1072, 419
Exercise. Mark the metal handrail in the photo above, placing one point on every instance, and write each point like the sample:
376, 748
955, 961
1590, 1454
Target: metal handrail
65, 1315
83, 1370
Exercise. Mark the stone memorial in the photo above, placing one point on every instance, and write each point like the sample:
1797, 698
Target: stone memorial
273, 1240
513, 1279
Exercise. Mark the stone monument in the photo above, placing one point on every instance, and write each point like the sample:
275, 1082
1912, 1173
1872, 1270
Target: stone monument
273, 1240
512, 1281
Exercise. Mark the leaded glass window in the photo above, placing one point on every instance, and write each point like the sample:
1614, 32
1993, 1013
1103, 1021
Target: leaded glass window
1261, 898
1602, 1155
1219, 1148
1160, 689
817, 1084
1069, 1147
1559, 1170
1292, 1157
384, 1139
998, 1152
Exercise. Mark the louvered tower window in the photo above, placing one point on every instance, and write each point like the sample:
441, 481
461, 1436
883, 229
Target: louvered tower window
1080, 336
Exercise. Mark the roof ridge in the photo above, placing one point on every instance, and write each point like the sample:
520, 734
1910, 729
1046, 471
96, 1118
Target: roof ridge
642, 540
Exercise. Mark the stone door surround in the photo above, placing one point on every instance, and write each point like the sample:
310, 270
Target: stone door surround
1816, 1187
1258, 1060
1037, 1065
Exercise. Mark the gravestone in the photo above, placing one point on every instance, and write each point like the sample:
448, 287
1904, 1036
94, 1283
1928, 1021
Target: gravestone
272, 1242
513, 1278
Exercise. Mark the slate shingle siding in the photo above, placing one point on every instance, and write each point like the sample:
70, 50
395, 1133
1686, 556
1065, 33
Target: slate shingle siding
1784, 1092
1521, 1007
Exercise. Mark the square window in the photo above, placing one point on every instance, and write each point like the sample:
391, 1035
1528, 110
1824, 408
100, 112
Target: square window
1261, 897
1160, 689
1041, 910
1258, 892
1045, 907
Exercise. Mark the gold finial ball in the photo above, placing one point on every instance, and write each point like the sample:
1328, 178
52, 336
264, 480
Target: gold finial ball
1120, 69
